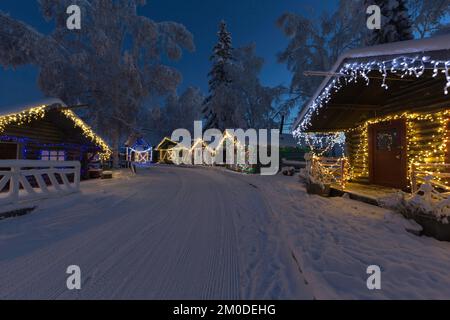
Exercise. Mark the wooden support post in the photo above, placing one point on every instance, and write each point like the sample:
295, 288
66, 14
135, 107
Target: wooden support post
342, 173
76, 177
14, 187
413, 178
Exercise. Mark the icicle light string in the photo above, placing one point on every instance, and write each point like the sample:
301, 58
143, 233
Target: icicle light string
403, 66
320, 143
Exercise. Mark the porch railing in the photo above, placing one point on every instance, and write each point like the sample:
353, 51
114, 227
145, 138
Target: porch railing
438, 173
22, 180
329, 170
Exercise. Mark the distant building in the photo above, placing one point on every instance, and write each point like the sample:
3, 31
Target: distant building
163, 154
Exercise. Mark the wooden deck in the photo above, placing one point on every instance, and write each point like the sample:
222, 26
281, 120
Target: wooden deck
363, 192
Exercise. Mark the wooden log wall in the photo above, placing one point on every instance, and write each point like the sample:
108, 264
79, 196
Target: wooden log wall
447, 156
358, 157
43, 131
422, 136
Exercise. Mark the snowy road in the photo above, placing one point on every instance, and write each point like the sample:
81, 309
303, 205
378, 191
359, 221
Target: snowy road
168, 233
208, 233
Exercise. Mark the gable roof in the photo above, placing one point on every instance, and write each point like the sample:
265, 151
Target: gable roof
407, 48
166, 143
24, 115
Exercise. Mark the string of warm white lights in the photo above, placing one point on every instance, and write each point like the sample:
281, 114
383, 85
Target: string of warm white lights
173, 152
419, 153
23, 117
330, 170
351, 72
88, 133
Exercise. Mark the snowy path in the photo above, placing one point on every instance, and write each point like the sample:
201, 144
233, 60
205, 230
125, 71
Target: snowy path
208, 233
171, 233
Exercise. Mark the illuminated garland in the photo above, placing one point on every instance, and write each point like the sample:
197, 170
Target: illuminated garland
88, 133
140, 156
326, 175
172, 153
22, 118
351, 72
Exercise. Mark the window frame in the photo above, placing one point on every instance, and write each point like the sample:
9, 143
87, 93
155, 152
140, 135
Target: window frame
53, 155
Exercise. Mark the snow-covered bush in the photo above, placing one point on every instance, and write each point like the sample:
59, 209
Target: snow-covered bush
426, 201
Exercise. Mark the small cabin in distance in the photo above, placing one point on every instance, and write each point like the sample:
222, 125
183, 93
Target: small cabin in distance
163, 149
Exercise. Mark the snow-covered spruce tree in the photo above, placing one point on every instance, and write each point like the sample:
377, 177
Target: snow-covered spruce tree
396, 24
113, 63
218, 109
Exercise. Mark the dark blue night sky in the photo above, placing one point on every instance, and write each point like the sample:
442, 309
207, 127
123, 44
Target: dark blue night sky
248, 20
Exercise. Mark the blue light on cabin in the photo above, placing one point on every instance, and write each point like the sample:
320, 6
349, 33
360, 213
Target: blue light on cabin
46, 146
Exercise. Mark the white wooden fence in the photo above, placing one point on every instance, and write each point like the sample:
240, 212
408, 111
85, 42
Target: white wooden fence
23, 180
438, 172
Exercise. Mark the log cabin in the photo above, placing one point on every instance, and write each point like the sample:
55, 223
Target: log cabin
49, 131
392, 103
162, 154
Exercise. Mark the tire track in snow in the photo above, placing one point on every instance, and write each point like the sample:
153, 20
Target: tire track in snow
173, 233
269, 272
44, 271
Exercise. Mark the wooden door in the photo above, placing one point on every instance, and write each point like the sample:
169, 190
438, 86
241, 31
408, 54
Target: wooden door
387, 154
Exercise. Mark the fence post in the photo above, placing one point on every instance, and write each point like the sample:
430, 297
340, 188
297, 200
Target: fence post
14, 187
77, 176
342, 173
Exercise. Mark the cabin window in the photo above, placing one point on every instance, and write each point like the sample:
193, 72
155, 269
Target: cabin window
53, 155
8, 151
387, 139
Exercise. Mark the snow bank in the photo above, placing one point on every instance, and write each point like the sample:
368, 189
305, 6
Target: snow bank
336, 239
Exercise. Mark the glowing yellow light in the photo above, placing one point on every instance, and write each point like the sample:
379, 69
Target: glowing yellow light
88, 133
418, 153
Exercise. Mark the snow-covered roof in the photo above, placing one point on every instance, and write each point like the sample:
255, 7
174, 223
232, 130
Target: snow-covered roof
164, 141
437, 43
22, 107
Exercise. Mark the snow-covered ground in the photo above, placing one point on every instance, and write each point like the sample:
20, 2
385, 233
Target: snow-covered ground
207, 233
